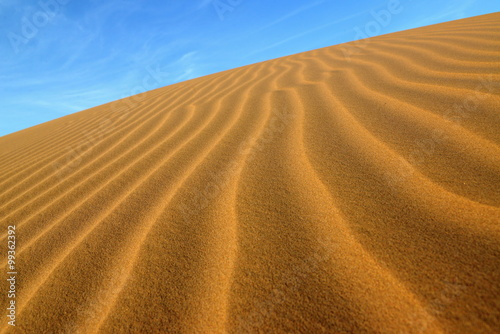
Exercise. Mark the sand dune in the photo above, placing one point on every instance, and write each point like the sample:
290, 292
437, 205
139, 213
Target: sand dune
315, 193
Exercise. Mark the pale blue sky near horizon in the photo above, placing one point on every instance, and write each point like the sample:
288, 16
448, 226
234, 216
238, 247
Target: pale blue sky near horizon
62, 56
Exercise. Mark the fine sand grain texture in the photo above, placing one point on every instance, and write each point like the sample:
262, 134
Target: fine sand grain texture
349, 189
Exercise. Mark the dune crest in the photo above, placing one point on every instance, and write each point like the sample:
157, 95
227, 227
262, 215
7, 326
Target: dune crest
315, 193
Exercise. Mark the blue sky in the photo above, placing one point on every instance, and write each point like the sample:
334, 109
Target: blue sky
61, 56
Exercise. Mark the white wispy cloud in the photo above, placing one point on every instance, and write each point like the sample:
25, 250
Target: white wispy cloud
310, 31
290, 15
452, 10
204, 3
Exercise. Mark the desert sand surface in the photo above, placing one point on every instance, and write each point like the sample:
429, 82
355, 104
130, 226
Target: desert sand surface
349, 189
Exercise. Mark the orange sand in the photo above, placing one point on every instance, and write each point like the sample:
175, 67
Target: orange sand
308, 194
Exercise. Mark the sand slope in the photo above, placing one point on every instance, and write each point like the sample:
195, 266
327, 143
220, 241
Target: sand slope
307, 194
